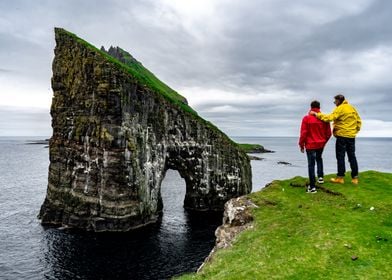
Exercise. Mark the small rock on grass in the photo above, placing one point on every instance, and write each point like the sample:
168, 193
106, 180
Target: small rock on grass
348, 246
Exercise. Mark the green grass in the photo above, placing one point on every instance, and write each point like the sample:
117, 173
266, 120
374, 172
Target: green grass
145, 76
249, 148
313, 236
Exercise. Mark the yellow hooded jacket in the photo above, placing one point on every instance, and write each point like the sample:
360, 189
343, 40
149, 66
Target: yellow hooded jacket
346, 120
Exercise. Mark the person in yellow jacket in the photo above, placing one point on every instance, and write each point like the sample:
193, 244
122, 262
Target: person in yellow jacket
346, 125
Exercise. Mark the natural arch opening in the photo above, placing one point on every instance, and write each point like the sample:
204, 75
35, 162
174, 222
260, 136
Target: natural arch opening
173, 189
181, 223
184, 237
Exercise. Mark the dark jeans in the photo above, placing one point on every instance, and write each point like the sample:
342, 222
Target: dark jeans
314, 157
346, 145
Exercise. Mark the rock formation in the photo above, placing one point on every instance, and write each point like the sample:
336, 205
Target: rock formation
116, 131
237, 217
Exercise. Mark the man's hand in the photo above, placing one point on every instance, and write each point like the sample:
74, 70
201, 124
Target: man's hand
302, 149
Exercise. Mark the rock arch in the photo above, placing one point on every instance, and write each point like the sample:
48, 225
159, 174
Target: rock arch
116, 131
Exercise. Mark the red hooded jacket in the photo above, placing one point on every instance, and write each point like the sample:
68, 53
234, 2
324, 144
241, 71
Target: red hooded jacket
314, 133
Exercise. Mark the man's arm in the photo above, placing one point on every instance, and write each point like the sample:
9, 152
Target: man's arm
328, 132
303, 134
327, 117
359, 121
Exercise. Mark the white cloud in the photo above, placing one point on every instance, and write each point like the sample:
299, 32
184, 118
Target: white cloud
269, 96
376, 128
197, 17
24, 92
223, 109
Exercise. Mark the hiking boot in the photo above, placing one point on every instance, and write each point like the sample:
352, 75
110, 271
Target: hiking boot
354, 181
337, 180
311, 189
320, 180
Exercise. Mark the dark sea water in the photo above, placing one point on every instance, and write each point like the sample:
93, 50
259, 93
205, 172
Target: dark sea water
178, 244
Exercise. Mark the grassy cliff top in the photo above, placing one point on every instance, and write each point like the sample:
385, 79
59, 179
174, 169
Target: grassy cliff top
253, 148
346, 234
138, 71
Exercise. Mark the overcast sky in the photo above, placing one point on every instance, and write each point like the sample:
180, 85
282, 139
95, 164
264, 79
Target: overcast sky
252, 67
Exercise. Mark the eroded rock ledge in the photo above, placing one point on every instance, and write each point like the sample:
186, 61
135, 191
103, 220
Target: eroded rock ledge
116, 131
237, 217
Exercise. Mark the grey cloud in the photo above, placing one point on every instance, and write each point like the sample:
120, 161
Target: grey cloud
5, 71
287, 51
356, 32
23, 57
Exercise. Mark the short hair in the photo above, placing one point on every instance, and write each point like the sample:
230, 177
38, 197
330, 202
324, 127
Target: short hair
339, 97
315, 104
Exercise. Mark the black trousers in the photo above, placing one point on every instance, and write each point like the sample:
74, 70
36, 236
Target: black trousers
346, 145
315, 158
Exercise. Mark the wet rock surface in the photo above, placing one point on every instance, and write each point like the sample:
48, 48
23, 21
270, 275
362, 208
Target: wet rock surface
113, 140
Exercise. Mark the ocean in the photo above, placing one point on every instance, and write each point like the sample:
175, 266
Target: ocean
177, 244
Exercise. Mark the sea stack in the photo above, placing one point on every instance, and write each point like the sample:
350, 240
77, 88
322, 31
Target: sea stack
117, 129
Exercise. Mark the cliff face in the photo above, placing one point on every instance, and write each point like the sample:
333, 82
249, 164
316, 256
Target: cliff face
116, 131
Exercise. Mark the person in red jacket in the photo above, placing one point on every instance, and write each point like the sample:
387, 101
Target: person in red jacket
314, 135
